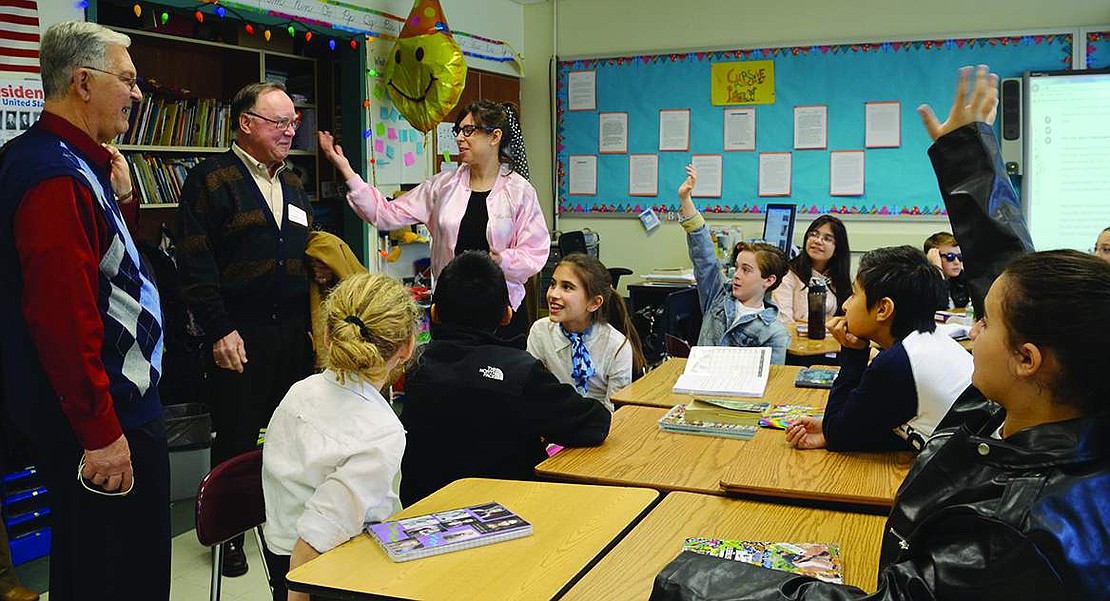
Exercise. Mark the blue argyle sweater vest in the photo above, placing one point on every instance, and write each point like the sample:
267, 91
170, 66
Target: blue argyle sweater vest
127, 299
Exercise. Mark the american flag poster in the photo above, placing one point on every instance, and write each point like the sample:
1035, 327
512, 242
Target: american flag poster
21, 96
19, 36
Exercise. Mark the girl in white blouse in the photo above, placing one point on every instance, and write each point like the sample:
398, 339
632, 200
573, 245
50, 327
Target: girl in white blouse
332, 459
587, 340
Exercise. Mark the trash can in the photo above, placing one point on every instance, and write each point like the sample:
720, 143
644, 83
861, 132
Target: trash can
189, 437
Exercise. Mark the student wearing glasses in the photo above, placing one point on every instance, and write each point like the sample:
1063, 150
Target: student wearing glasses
944, 251
1102, 245
244, 220
487, 204
826, 255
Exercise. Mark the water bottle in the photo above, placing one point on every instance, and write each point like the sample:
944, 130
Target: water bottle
818, 291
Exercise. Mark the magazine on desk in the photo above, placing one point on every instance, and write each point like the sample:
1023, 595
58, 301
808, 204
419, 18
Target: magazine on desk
726, 371
446, 531
817, 560
816, 377
675, 421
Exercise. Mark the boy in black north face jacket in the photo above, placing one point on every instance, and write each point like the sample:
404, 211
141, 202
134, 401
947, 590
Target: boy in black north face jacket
475, 407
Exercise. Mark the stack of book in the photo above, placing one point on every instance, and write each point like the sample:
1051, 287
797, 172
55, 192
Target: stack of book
706, 418
159, 178
446, 531
725, 371
671, 275
159, 121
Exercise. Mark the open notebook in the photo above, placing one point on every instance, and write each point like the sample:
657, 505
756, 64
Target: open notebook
726, 371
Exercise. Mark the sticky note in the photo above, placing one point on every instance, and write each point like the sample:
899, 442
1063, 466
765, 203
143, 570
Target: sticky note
380, 129
404, 134
419, 148
396, 115
392, 133
446, 158
389, 151
384, 113
379, 145
379, 91
409, 159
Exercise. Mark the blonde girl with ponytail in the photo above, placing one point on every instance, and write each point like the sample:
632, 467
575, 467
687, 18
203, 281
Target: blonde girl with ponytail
332, 459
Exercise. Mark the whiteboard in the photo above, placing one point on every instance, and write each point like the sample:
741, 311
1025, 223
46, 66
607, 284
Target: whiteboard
1066, 192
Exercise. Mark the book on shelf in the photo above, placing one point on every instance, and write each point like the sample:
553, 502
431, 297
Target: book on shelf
816, 560
159, 178
189, 122
780, 417
725, 371
446, 531
816, 377
725, 411
675, 421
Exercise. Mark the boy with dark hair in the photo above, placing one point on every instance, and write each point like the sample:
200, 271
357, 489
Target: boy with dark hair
736, 312
944, 252
897, 401
475, 407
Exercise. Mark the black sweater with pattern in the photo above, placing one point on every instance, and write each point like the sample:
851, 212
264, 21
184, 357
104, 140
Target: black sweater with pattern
237, 268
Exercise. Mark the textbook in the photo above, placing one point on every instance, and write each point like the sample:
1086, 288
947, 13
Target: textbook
816, 377
677, 275
725, 371
725, 411
816, 560
675, 421
446, 531
780, 417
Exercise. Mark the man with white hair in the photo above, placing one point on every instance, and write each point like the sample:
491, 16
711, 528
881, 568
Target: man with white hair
82, 325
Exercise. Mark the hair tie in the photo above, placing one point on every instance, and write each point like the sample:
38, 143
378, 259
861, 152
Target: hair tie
516, 141
363, 332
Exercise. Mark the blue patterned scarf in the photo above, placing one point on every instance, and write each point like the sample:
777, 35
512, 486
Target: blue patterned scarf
581, 366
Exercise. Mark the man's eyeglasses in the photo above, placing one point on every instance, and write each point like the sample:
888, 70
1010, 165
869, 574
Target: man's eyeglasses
131, 82
952, 257
282, 124
826, 238
468, 130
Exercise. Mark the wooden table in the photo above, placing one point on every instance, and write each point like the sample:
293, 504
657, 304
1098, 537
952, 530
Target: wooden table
572, 524
802, 346
637, 453
654, 389
629, 569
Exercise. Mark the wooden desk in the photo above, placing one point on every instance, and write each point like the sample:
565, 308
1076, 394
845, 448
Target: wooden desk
572, 524
637, 453
629, 569
654, 389
802, 346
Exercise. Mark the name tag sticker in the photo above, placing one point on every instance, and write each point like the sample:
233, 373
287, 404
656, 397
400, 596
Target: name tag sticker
297, 215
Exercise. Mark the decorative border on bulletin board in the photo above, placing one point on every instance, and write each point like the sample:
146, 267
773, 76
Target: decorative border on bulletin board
628, 205
1098, 49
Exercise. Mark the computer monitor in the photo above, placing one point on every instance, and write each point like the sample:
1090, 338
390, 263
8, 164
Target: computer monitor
778, 226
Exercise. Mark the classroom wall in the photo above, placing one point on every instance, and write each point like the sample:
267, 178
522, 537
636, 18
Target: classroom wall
625, 27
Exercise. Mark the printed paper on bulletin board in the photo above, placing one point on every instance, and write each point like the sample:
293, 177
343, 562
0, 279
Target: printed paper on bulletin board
844, 77
743, 82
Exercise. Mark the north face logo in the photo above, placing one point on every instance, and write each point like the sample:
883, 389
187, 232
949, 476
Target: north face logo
492, 373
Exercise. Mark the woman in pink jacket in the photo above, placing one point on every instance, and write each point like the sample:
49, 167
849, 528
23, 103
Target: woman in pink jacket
485, 204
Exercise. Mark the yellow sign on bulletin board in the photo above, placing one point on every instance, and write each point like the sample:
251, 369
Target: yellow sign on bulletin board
744, 82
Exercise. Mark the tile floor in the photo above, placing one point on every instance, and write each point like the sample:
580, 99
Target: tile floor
191, 566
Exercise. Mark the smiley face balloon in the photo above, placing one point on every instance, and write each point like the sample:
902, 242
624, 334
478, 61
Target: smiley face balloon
426, 72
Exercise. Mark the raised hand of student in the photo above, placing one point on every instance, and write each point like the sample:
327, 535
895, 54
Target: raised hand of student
981, 105
838, 327
334, 153
806, 433
686, 208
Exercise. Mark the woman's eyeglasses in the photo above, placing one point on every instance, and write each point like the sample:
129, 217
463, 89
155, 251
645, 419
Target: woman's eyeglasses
1101, 250
952, 257
826, 238
468, 130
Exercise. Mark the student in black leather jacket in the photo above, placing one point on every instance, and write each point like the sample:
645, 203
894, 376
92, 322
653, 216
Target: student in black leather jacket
1016, 506
476, 407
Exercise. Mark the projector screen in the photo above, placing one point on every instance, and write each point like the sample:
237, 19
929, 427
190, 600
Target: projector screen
1066, 192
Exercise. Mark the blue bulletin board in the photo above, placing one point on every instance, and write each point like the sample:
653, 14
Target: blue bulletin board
842, 77
1098, 49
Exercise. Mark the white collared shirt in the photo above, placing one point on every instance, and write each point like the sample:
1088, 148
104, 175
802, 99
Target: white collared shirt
609, 355
332, 462
268, 185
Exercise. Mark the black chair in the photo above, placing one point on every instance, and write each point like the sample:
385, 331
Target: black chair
676, 347
575, 242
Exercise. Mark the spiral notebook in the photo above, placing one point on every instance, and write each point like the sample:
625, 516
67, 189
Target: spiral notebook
446, 531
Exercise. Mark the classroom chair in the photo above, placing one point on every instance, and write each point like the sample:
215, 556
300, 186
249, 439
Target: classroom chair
230, 502
676, 347
575, 242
